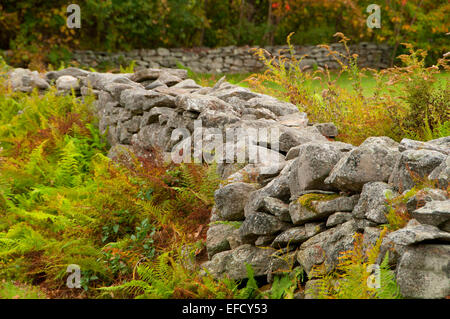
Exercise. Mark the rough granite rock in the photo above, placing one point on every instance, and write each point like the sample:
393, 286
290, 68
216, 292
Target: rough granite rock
327, 129
372, 161
326, 246
232, 262
320, 209
260, 224
297, 235
338, 218
217, 238
423, 196
314, 163
441, 174
414, 163
418, 233
424, 272
435, 213
372, 204
67, 83
140, 100
276, 207
230, 200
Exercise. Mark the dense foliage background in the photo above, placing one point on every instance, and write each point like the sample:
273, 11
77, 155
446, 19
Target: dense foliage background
36, 29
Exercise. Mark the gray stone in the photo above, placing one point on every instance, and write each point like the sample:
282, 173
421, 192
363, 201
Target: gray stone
435, 213
216, 238
231, 199
372, 161
423, 196
416, 234
372, 204
414, 164
407, 144
67, 83
441, 174
338, 218
232, 262
278, 107
145, 75
140, 100
276, 207
327, 129
423, 272
259, 224
314, 163
297, 235
324, 248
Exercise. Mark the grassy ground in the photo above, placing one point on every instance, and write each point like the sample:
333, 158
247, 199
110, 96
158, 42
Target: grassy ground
368, 82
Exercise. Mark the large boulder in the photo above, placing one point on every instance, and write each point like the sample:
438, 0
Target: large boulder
414, 165
372, 161
231, 200
423, 272
314, 163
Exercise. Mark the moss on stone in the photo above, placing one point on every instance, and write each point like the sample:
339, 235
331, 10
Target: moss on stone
307, 199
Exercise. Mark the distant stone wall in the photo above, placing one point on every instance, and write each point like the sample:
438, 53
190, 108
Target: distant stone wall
233, 59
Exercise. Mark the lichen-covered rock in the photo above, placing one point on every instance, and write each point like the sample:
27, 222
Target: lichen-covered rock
217, 238
314, 163
276, 207
230, 200
416, 234
260, 224
338, 218
372, 161
327, 129
24, 80
276, 106
414, 164
233, 262
67, 83
372, 204
407, 144
324, 248
423, 272
435, 213
441, 174
424, 196
140, 100
297, 235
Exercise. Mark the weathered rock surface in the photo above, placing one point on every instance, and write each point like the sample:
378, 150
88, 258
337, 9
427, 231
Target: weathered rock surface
424, 272
232, 262
414, 164
231, 199
372, 204
435, 213
314, 163
372, 161
326, 246
217, 238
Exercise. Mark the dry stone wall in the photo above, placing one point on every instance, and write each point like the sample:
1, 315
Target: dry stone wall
303, 199
233, 59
